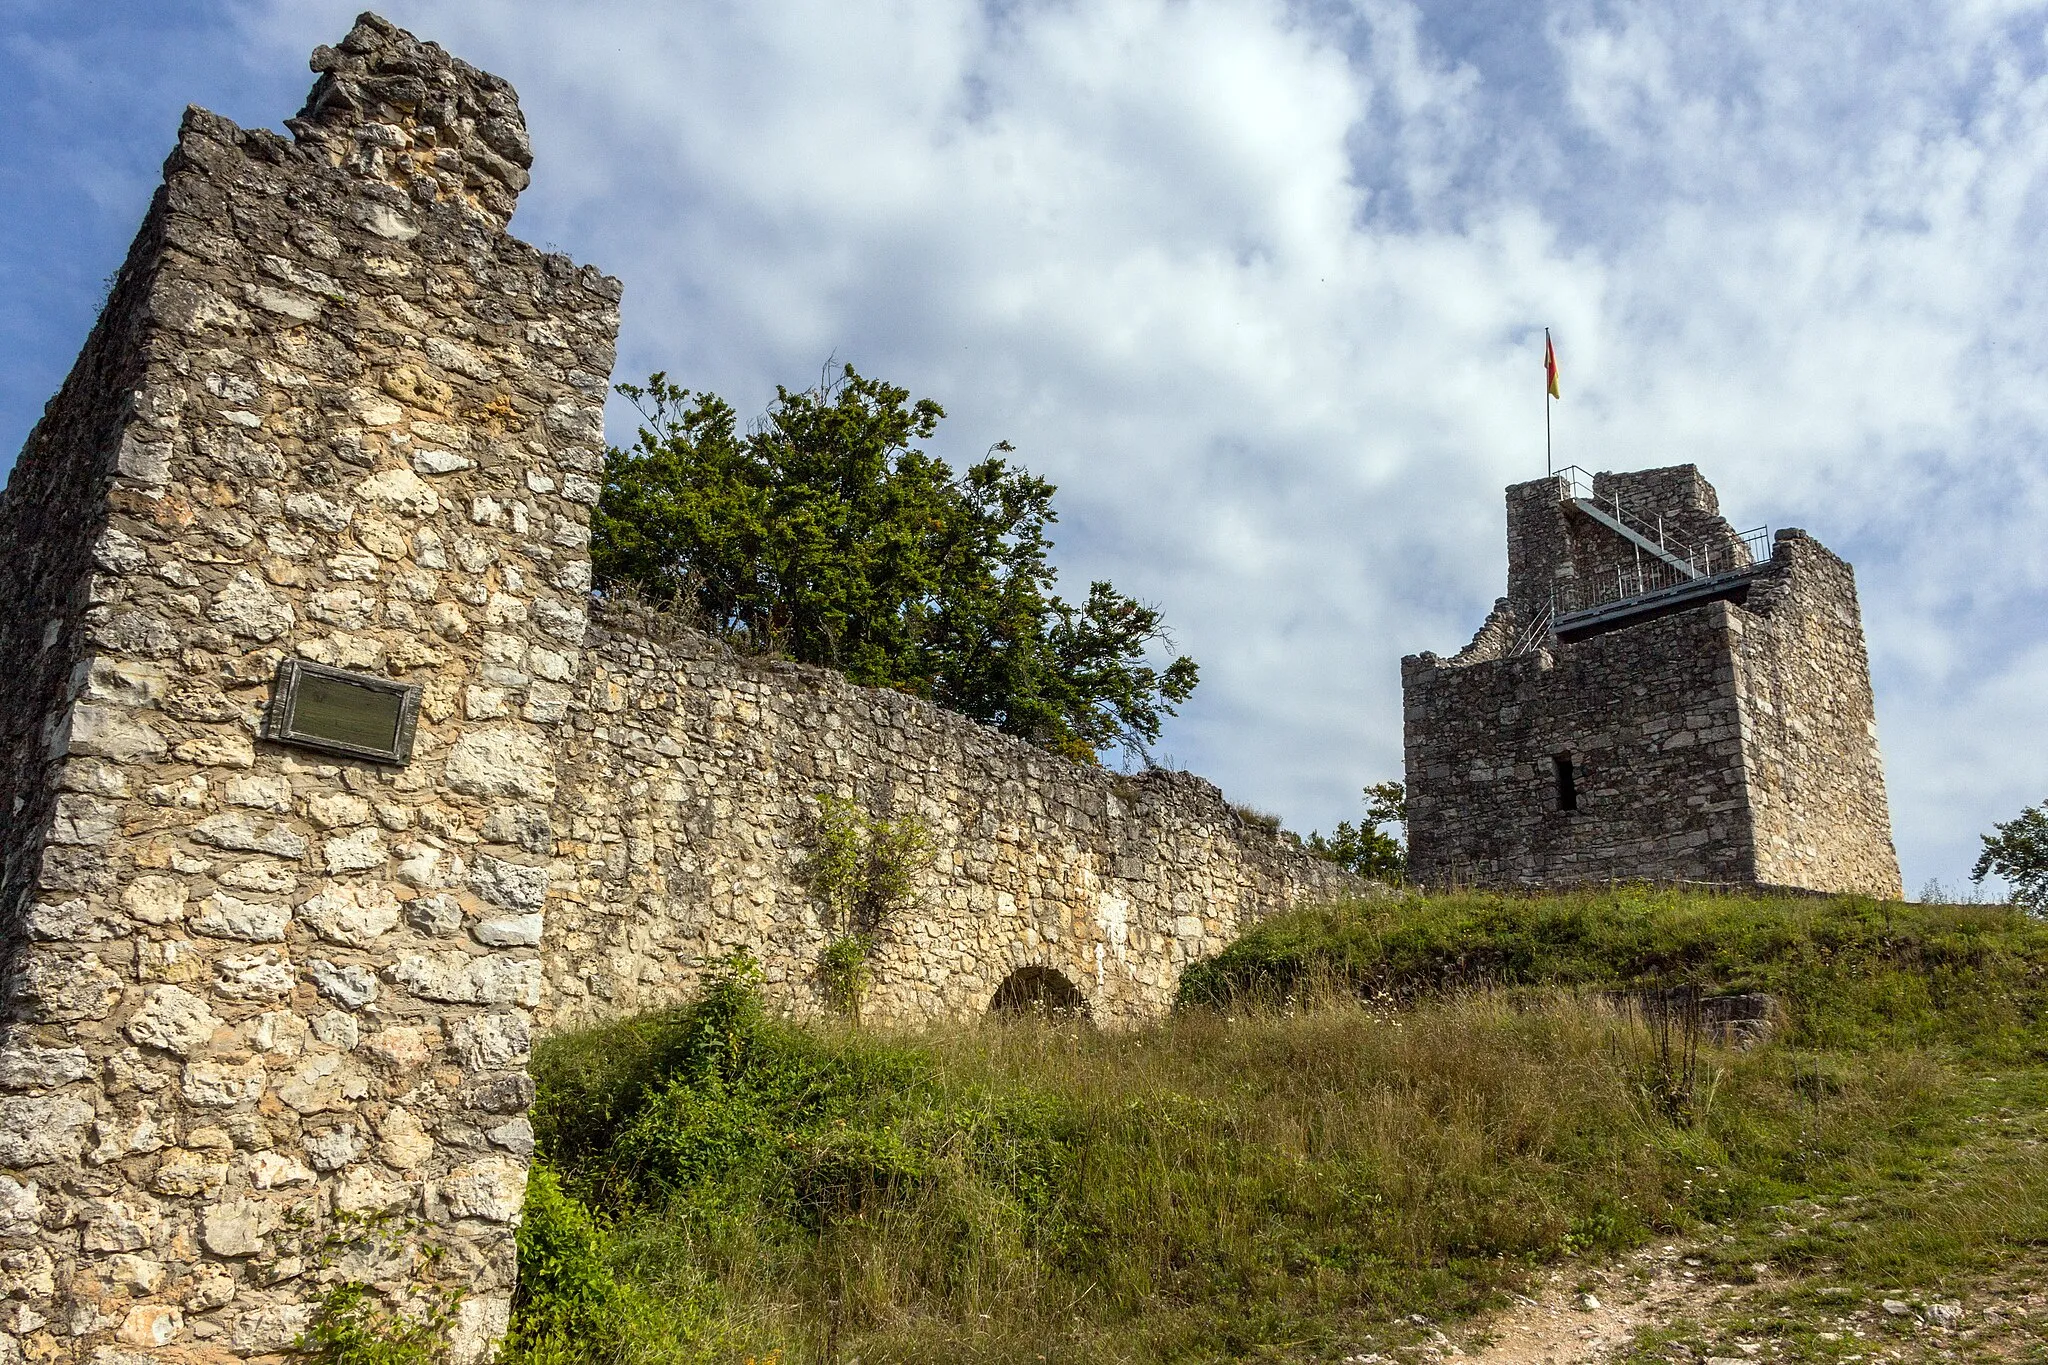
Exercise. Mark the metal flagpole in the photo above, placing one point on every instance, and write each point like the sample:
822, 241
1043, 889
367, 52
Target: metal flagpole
1548, 463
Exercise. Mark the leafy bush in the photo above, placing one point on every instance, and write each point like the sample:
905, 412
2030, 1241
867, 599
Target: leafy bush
861, 871
1365, 848
2017, 851
824, 534
353, 1325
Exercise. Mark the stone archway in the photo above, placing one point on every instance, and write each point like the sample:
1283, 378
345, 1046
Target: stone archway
1038, 991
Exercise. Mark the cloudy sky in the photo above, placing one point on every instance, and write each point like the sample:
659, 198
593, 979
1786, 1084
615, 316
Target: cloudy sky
1262, 288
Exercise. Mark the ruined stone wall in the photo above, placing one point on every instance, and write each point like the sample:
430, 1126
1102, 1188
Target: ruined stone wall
688, 807
333, 411
1815, 776
1648, 716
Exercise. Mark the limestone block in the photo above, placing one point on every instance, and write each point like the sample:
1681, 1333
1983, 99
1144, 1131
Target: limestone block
223, 1085
509, 931
492, 1189
241, 834
40, 1129
253, 976
25, 1066
249, 608
173, 1019
459, 979
402, 1141
223, 916
353, 915
20, 1208
515, 886
501, 761
351, 987
114, 732
262, 1331
151, 1325
62, 988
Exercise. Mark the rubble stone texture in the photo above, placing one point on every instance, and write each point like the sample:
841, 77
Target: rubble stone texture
265, 1014
1733, 741
688, 805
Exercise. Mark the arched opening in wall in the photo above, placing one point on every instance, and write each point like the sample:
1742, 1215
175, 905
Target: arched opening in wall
1038, 993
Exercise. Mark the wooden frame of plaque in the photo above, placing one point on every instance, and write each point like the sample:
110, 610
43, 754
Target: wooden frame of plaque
355, 715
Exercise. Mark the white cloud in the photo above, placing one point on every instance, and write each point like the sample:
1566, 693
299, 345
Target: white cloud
1261, 287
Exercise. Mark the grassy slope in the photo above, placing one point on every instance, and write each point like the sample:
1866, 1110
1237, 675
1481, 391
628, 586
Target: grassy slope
1348, 1133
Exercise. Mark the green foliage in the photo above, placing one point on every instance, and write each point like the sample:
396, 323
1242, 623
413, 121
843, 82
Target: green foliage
2017, 851
1852, 972
862, 868
862, 871
824, 534
844, 972
353, 1325
1365, 848
1265, 1183
572, 1307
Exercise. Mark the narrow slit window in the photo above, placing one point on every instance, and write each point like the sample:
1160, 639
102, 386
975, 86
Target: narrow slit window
1567, 782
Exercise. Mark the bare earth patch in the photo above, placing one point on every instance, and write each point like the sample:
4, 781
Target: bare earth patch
1595, 1315
1662, 1304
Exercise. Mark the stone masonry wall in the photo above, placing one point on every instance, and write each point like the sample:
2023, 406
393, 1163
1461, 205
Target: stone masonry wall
1815, 776
1550, 543
688, 804
1648, 716
1733, 741
254, 993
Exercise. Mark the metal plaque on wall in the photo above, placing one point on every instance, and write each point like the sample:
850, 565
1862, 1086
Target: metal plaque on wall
335, 711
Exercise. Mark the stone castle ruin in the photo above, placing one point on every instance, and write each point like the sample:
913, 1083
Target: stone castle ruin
328, 783
1658, 697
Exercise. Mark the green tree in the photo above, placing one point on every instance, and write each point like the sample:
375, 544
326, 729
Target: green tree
1365, 848
824, 534
2017, 851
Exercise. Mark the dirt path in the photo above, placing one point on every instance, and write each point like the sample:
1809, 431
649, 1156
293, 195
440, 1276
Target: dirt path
1587, 1315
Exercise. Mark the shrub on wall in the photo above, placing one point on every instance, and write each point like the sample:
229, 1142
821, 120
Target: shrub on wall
861, 872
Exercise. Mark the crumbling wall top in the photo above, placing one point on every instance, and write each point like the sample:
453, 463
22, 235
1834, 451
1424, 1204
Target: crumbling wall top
403, 111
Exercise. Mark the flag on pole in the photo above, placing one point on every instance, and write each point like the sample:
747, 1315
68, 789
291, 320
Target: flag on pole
1550, 364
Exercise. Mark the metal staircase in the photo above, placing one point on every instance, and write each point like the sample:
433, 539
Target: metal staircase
1667, 570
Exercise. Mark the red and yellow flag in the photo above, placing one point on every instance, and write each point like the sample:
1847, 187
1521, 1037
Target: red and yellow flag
1550, 364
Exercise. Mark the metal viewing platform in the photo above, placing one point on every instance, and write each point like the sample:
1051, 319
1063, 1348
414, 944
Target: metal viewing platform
1668, 573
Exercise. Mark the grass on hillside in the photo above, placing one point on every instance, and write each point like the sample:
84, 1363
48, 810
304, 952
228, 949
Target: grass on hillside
1384, 1110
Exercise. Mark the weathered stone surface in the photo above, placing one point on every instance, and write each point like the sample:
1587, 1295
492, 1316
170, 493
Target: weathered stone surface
349, 986
512, 885
155, 900
501, 761
352, 915
223, 916
173, 1019
691, 806
35, 1130
1731, 741
491, 1190
25, 1066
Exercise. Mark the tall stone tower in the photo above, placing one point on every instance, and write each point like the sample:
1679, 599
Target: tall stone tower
1659, 697
293, 584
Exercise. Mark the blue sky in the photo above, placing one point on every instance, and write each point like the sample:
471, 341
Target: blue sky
1261, 287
